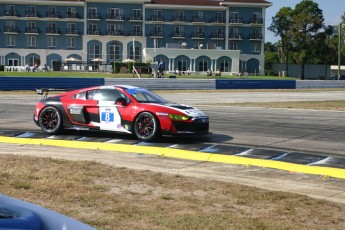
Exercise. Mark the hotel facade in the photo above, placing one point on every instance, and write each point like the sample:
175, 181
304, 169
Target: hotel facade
198, 35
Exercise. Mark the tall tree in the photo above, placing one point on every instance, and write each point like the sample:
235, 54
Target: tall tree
299, 30
281, 25
307, 21
271, 55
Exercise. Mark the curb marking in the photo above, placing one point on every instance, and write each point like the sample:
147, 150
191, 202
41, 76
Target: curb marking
182, 154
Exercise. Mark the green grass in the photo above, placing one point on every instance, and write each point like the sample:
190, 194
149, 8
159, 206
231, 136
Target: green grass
126, 75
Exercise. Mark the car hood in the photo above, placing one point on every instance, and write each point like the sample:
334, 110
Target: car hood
185, 109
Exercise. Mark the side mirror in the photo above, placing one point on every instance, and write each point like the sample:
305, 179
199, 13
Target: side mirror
121, 101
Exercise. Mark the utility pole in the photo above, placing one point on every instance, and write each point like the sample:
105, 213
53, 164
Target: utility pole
339, 51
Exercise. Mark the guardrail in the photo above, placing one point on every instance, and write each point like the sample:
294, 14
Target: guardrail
30, 83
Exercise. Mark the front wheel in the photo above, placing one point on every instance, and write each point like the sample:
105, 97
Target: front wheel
146, 127
50, 120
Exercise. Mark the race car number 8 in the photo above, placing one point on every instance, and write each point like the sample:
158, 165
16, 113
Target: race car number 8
107, 117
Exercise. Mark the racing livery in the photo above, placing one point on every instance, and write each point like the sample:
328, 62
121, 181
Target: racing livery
119, 108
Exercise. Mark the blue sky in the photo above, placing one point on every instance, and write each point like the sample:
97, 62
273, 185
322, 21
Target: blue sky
331, 9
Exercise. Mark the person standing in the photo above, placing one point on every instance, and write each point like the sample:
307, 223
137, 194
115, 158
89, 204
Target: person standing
161, 68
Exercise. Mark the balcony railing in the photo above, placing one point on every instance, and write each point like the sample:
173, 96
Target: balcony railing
259, 21
51, 30
198, 19
31, 30
136, 17
156, 34
93, 16
156, 18
219, 36
72, 15
115, 32
52, 15
217, 20
115, 17
72, 32
198, 35
178, 35
135, 33
11, 29
31, 14
254, 36
179, 19
93, 32
237, 20
11, 13
235, 36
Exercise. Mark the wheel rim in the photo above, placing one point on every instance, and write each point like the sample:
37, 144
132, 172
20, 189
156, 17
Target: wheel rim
50, 120
145, 126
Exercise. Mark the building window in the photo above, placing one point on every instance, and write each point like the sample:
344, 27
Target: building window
114, 50
218, 17
182, 64
203, 65
71, 12
52, 11
136, 15
92, 29
94, 52
92, 13
52, 28
10, 40
115, 13
71, 42
224, 66
234, 15
256, 46
52, 41
157, 15
31, 41
31, 11
157, 43
137, 53
136, 30
34, 60
233, 45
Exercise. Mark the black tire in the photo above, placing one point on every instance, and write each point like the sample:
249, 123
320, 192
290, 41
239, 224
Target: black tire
50, 120
13, 217
146, 127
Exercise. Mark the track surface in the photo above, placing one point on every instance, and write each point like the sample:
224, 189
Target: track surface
315, 132
299, 136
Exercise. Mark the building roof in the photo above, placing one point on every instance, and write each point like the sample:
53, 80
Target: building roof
207, 2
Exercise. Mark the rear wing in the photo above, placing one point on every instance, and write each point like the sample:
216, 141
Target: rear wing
45, 91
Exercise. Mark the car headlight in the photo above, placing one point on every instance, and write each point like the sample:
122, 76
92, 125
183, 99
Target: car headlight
176, 117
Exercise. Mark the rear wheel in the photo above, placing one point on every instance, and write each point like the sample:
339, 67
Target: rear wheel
146, 126
50, 120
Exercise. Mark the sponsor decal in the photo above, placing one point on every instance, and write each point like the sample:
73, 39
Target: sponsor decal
107, 116
75, 110
126, 127
162, 114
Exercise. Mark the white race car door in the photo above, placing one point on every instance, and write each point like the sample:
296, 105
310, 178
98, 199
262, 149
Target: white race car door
110, 118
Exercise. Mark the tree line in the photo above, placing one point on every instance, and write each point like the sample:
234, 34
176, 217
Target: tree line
304, 38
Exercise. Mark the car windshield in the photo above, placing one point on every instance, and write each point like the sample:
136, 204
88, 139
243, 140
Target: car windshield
145, 96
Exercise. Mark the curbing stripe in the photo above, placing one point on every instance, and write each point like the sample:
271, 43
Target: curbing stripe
182, 154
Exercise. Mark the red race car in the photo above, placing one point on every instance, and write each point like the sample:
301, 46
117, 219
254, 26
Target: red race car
120, 108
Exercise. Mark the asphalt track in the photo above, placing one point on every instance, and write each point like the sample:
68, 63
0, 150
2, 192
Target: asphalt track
302, 141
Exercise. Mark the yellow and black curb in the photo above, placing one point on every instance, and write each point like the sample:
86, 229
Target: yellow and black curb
181, 154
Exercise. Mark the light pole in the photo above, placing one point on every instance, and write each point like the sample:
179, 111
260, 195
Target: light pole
339, 51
